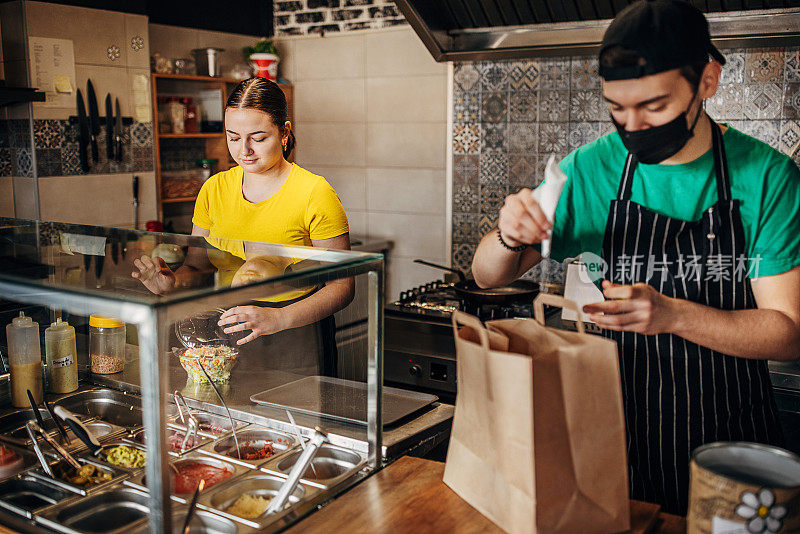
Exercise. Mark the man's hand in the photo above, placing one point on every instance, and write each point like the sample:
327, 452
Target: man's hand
154, 274
522, 221
260, 321
637, 308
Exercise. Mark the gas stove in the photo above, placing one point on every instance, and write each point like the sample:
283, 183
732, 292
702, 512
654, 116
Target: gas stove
438, 300
419, 351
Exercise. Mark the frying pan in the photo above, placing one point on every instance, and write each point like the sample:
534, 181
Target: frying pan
518, 291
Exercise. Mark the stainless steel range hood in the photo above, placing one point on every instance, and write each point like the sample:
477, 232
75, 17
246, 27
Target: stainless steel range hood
468, 30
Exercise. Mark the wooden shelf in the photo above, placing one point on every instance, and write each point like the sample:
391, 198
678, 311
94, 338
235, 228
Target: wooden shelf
178, 199
215, 143
197, 135
195, 78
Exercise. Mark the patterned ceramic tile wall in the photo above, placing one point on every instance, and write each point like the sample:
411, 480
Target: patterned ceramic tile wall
15, 148
510, 116
57, 153
302, 17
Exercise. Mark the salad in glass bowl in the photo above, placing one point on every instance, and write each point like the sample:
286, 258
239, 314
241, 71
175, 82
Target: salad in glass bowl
205, 347
217, 362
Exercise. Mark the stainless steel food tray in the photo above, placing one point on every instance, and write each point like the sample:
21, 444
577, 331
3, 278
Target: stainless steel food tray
100, 458
282, 443
114, 511
117, 475
331, 465
219, 498
134, 439
202, 519
28, 460
27, 495
206, 418
138, 479
341, 400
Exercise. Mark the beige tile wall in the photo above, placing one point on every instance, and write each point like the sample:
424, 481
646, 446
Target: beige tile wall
25, 196
92, 31
74, 199
371, 117
6, 196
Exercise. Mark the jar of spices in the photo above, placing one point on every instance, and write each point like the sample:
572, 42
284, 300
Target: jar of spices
190, 122
206, 168
164, 121
61, 356
25, 360
106, 345
177, 114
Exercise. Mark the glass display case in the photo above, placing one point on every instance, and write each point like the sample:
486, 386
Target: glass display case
231, 366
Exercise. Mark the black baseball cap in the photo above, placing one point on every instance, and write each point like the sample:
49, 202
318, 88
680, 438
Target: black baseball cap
666, 34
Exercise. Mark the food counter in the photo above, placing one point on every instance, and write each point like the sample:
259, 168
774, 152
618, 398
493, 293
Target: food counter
137, 415
409, 496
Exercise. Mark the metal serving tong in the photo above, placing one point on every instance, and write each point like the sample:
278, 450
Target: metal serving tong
59, 426
33, 428
230, 417
279, 501
299, 436
38, 416
80, 430
189, 420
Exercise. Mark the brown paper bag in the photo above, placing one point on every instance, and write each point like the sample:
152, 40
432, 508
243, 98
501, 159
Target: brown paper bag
538, 440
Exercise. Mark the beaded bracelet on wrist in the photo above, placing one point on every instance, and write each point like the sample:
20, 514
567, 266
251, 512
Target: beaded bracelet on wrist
518, 248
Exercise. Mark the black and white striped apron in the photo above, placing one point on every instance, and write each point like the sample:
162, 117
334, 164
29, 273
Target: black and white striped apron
677, 394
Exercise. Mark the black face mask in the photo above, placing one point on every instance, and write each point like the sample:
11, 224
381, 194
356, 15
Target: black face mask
658, 143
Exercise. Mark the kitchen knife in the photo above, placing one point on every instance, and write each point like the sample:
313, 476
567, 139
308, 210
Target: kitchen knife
109, 128
114, 249
80, 430
118, 132
83, 126
87, 263
124, 244
94, 119
135, 202
99, 262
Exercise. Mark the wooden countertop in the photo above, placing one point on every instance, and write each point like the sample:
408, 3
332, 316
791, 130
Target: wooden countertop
409, 496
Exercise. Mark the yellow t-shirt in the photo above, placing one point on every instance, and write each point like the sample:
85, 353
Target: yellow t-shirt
305, 208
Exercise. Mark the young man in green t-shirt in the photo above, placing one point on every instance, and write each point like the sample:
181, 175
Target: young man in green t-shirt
698, 227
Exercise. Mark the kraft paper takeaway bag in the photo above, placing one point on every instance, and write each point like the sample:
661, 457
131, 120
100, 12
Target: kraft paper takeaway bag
538, 439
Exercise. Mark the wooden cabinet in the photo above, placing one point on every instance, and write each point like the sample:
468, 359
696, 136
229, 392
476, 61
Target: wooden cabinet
167, 146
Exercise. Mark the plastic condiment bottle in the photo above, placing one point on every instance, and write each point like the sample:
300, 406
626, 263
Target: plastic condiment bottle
61, 356
25, 360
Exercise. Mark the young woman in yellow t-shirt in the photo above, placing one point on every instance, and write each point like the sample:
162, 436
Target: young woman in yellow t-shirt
264, 199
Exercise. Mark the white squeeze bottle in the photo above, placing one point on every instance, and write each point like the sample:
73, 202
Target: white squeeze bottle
25, 360
61, 356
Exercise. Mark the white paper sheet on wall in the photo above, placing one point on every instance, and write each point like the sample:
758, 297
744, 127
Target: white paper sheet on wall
51, 61
142, 111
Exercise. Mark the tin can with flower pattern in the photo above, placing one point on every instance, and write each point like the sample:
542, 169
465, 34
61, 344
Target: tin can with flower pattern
743, 488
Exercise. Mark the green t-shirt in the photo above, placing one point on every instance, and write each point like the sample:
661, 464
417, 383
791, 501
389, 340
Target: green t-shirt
766, 183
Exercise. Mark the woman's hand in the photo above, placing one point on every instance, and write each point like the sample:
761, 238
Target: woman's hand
522, 221
634, 308
154, 274
260, 321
